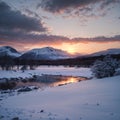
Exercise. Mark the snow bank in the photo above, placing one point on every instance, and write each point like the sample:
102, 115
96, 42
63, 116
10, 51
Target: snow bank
53, 70
87, 100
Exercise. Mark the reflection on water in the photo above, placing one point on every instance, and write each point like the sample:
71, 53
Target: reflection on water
41, 81
66, 80
51, 81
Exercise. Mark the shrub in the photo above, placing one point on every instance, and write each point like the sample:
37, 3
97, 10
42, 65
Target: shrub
105, 68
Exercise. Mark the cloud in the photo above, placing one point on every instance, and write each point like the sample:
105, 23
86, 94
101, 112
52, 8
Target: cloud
108, 2
16, 21
81, 8
17, 29
31, 13
100, 39
23, 39
7, 37
64, 5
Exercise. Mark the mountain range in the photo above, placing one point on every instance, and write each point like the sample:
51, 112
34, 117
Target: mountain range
114, 51
48, 53
9, 51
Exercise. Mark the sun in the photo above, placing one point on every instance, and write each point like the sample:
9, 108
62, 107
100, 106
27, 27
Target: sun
71, 50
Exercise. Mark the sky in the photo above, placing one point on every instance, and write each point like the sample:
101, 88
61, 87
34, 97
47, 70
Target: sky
76, 26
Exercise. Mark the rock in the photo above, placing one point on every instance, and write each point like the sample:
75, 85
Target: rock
97, 104
31, 79
1, 117
35, 88
42, 111
111, 114
25, 89
35, 76
80, 118
67, 119
24, 81
15, 118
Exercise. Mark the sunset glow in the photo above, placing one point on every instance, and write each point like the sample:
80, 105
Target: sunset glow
69, 48
64, 28
59, 59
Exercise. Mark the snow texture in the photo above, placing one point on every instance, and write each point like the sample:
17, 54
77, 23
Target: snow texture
52, 70
114, 51
87, 100
9, 51
47, 53
105, 68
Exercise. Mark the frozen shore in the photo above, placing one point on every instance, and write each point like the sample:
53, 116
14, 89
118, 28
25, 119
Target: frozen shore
52, 70
95, 99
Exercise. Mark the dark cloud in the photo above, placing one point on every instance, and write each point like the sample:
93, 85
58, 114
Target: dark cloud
81, 8
9, 37
100, 39
18, 29
16, 21
30, 12
62, 5
30, 38
108, 2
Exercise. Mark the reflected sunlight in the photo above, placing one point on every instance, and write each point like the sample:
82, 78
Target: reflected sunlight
72, 80
67, 79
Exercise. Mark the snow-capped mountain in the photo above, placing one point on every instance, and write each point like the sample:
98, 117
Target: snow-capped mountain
9, 51
114, 51
46, 53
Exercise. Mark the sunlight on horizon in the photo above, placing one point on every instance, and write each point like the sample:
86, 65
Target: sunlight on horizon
72, 48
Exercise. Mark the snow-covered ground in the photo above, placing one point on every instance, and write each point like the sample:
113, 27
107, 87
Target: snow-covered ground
96, 99
52, 70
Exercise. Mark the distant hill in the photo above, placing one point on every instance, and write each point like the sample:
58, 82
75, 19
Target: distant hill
9, 51
46, 53
114, 51
52, 56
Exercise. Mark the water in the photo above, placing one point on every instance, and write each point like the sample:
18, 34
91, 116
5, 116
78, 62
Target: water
41, 81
